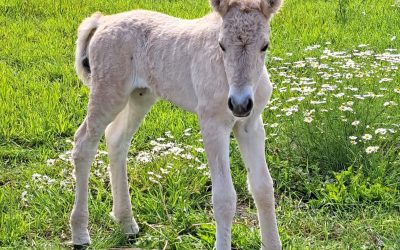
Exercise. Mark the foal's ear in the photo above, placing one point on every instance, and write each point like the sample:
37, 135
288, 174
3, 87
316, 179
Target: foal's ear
220, 6
269, 7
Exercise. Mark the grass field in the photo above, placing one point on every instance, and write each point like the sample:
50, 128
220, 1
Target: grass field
333, 134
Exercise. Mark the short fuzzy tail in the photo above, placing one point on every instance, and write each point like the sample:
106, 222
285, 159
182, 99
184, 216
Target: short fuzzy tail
85, 32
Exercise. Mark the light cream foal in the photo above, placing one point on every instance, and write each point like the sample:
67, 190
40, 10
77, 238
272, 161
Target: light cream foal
212, 66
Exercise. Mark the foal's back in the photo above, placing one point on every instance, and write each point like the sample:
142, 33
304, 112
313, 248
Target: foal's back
161, 50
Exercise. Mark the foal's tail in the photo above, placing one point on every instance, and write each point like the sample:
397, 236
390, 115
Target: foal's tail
85, 32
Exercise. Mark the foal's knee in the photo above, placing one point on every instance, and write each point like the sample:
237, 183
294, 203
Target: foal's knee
224, 206
262, 190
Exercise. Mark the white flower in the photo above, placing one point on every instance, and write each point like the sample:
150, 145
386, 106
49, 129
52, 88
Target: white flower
308, 119
199, 150
390, 103
187, 156
24, 198
345, 108
367, 137
36, 176
202, 166
169, 135
186, 132
309, 112
23, 195
282, 89
385, 80
353, 142
317, 102
299, 64
348, 75
50, 181
153, 180
143, 157
274, 125
312, 47
102, 152
353, 138
381, 131
176, 150
355, 123
338, 95
50, 162
371, 149
273, 108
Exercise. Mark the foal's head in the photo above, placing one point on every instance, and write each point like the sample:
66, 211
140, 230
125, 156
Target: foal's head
244, 38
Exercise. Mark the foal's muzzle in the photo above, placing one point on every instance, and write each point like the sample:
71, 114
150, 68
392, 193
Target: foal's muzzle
240, 109
240, 102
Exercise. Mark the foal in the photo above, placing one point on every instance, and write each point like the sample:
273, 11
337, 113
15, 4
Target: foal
212, 66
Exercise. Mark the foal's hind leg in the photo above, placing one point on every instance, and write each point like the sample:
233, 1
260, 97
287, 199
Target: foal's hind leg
104, 104
118, 136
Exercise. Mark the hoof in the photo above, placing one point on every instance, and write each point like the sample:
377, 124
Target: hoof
131, 238
81, 247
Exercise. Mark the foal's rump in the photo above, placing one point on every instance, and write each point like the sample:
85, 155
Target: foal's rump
105, 48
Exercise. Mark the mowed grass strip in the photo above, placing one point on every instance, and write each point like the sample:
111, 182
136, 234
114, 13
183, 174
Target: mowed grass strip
334, 64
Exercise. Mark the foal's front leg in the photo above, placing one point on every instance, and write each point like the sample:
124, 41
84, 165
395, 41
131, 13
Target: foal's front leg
251, 135
216, 143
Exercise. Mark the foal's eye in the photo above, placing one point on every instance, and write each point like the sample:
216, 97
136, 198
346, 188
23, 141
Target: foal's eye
222, 47
265, 47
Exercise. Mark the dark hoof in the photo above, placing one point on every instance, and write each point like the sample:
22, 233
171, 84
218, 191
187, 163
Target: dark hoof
131, 238
81, 247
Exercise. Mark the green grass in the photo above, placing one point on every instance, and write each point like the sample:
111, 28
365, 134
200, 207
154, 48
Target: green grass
331, 193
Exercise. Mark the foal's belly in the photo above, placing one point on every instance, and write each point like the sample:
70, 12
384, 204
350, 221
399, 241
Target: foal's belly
182, 96
179, 93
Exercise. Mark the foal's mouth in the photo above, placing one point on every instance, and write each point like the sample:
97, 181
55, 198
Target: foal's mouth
242, 115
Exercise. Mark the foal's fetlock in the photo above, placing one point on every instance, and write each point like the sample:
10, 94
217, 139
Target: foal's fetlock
274, 246
80, 233
80, 238
130, 228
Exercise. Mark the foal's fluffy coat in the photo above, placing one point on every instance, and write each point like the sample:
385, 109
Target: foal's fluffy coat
131, 59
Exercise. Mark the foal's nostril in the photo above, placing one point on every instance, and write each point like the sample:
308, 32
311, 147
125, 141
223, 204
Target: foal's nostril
230, 105
249, 105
